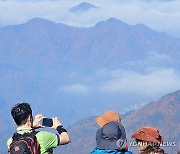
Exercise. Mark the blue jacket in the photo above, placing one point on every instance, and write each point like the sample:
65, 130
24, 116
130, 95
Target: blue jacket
97, 151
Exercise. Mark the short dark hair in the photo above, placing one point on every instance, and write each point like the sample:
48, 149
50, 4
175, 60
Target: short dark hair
20, 113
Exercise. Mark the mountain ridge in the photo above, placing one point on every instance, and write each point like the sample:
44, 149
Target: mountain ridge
84, 131
53, 50
53, 66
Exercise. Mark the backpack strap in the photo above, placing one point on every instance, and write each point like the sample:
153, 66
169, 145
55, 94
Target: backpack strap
17, 135
36, 149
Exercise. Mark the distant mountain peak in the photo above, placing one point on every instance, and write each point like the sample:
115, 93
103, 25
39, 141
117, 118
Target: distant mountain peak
112, 21
39, 20
115, 20
82, 7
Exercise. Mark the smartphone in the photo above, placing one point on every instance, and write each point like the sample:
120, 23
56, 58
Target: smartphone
47, 122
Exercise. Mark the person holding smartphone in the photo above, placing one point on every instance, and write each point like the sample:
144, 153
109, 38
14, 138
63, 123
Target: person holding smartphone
44, 141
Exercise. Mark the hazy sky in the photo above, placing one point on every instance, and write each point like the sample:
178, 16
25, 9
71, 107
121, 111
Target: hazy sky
161, 15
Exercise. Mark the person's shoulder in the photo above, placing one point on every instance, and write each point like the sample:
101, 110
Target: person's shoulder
47, 140
97, 151
9, 141
44, 133
128, 152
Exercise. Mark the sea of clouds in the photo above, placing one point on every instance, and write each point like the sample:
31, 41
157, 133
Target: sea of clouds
161, 15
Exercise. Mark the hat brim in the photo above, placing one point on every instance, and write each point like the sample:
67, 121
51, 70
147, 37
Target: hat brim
107, 144
144, 138
148, 138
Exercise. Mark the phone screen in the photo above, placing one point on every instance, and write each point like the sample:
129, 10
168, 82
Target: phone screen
47, 122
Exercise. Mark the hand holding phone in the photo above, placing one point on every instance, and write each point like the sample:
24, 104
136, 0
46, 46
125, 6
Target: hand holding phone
53, 123
47, 122
37, 119
56, 123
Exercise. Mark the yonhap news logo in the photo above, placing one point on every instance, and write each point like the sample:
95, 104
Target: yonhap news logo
162, 144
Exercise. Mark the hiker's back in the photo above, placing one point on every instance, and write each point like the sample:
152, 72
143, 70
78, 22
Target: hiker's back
111, 138
24, 143
46, 140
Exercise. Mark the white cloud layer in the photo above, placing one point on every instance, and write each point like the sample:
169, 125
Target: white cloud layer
161, 16
152, 83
